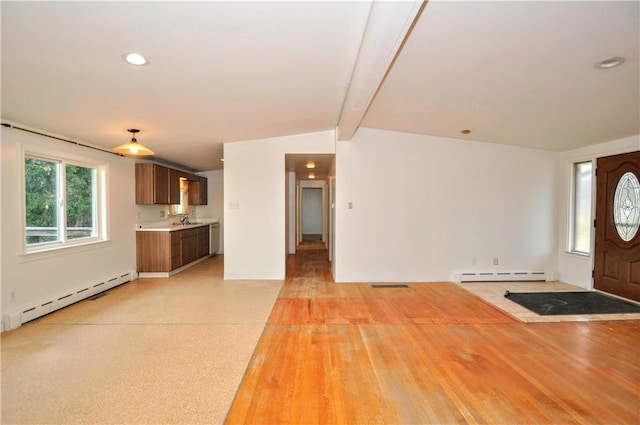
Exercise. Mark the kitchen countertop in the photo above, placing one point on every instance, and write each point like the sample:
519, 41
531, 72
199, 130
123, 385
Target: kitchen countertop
170, 226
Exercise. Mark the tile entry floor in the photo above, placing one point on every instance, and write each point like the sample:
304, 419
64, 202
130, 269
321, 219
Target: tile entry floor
493, 293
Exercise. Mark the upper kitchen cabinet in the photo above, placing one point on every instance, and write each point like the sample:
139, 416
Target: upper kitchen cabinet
160, 185
174, 186
203, 191
152, 184
197, 190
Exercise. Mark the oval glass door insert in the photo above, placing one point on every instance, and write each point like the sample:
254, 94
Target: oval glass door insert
626, 206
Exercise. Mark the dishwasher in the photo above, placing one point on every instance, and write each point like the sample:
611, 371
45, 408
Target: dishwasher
214, 238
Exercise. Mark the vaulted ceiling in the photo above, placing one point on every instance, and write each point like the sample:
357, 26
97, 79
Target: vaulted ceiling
520, 73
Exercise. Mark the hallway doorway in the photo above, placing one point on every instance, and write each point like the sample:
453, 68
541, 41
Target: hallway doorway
309, 194
311, 214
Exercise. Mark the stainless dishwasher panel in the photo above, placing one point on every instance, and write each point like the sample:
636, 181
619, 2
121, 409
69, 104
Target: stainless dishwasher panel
214, 238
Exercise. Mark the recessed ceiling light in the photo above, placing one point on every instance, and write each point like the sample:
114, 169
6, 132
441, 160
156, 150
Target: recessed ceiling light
610, 63
135, 59
311, 164
312, 176
465, 131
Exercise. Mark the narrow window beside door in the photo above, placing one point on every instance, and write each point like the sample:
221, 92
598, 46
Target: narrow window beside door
581, 222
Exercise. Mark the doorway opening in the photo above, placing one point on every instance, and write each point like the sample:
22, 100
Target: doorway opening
311, 214
310, 184
313, 226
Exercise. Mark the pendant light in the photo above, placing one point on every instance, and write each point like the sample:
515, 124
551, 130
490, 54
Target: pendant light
133, 147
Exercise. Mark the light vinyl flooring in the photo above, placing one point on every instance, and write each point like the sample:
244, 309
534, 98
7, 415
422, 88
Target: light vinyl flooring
152, 351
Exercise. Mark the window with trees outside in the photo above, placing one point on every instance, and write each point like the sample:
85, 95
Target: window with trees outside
63, 204
581, 223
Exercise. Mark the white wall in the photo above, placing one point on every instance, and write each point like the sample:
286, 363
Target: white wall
425, 206
32, 278
254, 202
573, 268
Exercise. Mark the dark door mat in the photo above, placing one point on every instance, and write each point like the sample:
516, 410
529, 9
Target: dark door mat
559, 303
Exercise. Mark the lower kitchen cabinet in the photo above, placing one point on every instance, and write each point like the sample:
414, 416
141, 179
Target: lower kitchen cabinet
153, 251
189, 245
203, 241
176, 251
163, 252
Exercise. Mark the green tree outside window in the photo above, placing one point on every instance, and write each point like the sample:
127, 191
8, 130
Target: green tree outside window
42, 198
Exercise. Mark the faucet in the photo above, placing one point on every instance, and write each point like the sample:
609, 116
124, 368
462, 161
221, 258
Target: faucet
184, 219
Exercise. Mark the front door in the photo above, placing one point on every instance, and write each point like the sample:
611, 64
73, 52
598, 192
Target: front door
617, 245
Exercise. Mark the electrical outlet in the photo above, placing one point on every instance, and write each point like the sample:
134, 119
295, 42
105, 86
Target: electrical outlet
138, 215
350, 205
162, 213
495, 262
12, 296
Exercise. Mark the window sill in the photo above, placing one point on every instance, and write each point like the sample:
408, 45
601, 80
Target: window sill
57, 251
577, 254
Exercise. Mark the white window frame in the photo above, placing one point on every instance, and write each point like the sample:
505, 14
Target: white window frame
571, 239
99, 204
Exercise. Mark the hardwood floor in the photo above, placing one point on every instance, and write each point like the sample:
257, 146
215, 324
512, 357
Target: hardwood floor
429, 354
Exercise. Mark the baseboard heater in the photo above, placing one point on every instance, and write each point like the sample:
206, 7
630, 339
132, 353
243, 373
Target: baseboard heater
28, 313
500, 276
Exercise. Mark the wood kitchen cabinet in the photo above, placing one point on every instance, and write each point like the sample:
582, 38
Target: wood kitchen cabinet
154, 251
174, 186
162, 251
197, 190
203, 241
203, 191
152, 184
159, 185
189, 245
176, 250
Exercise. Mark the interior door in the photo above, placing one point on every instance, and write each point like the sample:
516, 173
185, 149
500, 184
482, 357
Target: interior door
617, 242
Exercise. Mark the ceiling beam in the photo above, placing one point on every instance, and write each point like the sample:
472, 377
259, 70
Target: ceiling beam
388, 26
